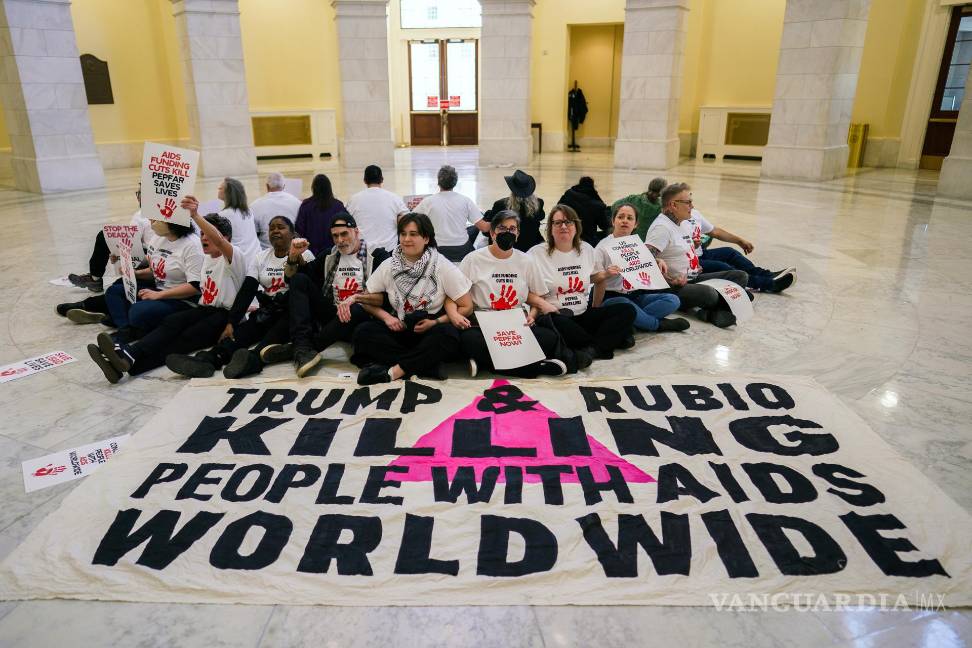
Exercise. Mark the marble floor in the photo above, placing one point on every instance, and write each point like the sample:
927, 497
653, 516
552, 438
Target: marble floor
877, 317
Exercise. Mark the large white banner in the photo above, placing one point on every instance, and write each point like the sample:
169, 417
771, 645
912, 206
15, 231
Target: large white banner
686, 491
168, 176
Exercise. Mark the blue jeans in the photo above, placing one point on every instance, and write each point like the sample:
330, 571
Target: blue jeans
649, 307
143, 315
721, 259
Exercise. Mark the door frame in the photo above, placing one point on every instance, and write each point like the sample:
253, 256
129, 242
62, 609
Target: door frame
442, 43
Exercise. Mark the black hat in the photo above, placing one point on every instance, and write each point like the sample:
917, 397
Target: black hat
521, 184
344, 219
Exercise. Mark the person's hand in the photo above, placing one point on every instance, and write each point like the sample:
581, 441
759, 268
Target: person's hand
676, 280
149, 295
227, 332
424, 325
746, 246
662, 266
546, 307
344, 308
190, 204
613, 270
113, 258
297, 248
530, 320
392, 322
458, 320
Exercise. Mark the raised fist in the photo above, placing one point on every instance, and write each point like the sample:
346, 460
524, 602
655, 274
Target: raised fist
507, 298
298, 246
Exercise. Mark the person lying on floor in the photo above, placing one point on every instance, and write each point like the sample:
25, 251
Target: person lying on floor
187, 330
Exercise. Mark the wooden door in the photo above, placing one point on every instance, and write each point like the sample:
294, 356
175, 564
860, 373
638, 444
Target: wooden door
950, 89
443, 71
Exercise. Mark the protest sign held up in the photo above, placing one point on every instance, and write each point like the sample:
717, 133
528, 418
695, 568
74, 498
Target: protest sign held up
168, 175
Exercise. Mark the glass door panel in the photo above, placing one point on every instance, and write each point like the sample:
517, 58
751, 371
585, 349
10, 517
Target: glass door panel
425, 74
461, 74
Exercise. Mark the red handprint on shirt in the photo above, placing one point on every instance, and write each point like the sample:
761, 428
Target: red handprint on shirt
159, 270
507, 298
696, 236
277, 283
408, 308
209, 291
168, 209
693, 260
644, 278
574, 285
350, 288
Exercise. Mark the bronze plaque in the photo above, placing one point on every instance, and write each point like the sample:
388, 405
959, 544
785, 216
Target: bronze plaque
282, 130
97, 81
747, 129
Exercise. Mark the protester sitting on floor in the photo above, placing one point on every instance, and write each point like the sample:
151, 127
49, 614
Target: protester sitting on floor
651, 306
276, 202
222, 275
316, 290
525, 203
450, 213
505, 278
269, 324
425, 291
647, 205
377, 210
724, 258
570, 268
237, 212
595, 217
101, 254
315, 215
671, 243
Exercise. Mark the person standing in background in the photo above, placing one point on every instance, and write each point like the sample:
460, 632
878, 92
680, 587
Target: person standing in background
316, 213
377, 210
276, 202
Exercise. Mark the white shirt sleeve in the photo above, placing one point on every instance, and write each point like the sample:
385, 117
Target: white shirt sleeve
535, 279
658, 237
454, 283
400, 207
380, 279
193, 261
704, 223
473, 214
423, 207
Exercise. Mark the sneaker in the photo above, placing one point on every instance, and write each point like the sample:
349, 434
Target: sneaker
117, 353
373, 375
783, 282
603, 354
785, 271
473, 368
552, 368
437, 373
112, 375
584, 358
274, 353
81, 316
305, 360
721, 318
674, 324
192, 366
94, 284
243, 363
628, 342
62, 309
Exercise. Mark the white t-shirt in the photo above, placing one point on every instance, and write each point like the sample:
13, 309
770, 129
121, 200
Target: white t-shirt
244, 232
221, 280
268, 269
450, 213
145, 232
567, 275
674, 244
175, 262
348, 277
376, 211
614, 283
264, 208
697, 225
501, 284
450, 283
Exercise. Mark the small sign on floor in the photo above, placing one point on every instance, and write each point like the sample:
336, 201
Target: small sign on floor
31, 366
68, 465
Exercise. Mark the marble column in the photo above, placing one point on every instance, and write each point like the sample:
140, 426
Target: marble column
504, 88
651, 83
816, 80
362, 27
43, 98
216, 97
955, 179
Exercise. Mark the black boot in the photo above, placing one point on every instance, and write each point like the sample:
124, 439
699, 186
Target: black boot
193, 366
243, 363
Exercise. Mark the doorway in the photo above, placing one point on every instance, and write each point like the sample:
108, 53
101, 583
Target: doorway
950, 89
444, 92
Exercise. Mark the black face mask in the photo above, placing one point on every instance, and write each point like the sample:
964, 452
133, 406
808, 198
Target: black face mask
505, 240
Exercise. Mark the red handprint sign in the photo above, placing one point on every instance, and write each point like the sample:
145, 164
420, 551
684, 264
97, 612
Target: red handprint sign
574, 285
507, 298
625, 284
644, 278
168, 209
49, 469
276, 284
158, 269
209, 292
351, 287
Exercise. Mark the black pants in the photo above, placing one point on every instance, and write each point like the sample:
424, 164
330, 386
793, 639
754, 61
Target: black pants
313, 319
604, 328
693, 295
261, 328
99, 256
97, 303
181, 332
417, 354
473, 344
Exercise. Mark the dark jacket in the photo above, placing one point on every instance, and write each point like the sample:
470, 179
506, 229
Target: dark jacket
314, 224
529, 226
594, 214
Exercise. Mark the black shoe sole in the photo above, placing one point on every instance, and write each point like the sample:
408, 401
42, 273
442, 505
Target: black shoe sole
107, 346
239, 364
112, 375
722, 318
274, 353
305, 368
189, 366
81, 316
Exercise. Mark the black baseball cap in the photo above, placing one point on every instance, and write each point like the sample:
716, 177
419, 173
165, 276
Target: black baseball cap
344, 219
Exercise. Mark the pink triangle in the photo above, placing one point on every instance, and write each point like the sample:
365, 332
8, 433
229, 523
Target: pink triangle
513, 429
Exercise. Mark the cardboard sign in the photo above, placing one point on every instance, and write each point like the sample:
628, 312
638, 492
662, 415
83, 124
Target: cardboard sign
127, 267
411, 202
125, 237
638, 267
510, 341
294, 186
68, 465
735, 296
61, 281
168, 175
432, 101
34, 365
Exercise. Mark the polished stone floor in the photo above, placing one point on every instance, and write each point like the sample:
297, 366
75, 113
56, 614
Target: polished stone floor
877, 316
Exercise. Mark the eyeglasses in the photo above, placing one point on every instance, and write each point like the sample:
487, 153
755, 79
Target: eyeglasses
512, 230
685, 202
562, 223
